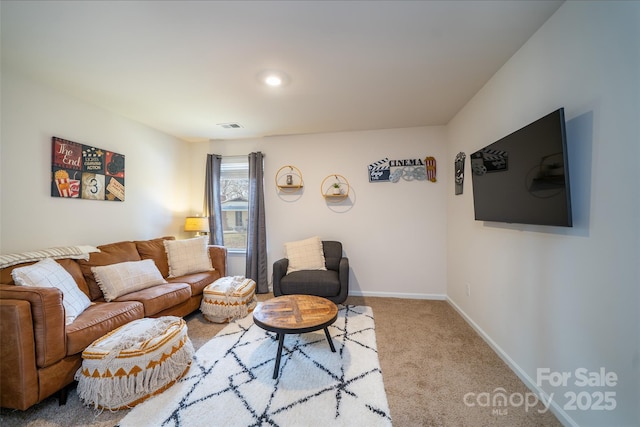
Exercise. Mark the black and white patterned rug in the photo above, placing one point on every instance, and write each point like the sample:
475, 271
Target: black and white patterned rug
230, 381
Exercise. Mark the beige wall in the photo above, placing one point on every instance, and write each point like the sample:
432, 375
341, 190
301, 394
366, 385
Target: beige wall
393, 233
157, 173
552, 297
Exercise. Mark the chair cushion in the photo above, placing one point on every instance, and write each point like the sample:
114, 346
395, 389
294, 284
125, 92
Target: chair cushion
305, 255
323, 283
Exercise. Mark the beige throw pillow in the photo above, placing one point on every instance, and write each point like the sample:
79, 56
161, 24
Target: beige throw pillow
305, 255
125, 277
49, 274
188, 256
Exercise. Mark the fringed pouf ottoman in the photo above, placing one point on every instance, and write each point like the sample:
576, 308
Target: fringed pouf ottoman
134, 362
228, 298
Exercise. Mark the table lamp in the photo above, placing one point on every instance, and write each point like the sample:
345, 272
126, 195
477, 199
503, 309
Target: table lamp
199, 224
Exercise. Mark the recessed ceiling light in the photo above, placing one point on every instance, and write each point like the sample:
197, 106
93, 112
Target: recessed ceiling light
273, 78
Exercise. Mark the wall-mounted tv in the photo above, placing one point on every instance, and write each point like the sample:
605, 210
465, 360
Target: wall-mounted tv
524, 177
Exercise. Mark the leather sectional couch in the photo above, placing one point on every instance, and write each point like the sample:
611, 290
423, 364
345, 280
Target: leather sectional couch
39, 354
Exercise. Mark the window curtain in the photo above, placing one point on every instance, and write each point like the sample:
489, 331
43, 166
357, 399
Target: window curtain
212, 205
256, 230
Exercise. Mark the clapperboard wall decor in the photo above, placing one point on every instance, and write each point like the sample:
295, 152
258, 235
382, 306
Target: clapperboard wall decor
488, 160
385, 170
80, 171
379, 171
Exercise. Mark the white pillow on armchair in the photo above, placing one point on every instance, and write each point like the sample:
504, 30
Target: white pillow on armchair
305, 255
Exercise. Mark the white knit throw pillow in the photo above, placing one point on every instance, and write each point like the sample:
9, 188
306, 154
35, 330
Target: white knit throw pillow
126, 277
305, 255
49, 274
188, 256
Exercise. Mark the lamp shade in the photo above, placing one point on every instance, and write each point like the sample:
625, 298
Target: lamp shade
197, 223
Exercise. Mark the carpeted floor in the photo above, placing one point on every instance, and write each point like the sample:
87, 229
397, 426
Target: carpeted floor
430, 359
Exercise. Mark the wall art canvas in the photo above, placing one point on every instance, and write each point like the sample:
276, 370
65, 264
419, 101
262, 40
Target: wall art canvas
80, 171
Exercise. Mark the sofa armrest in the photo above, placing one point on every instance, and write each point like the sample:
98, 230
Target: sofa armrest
47, 315
17, 355
219, 258
279, 271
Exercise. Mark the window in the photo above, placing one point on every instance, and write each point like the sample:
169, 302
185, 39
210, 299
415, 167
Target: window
234, 197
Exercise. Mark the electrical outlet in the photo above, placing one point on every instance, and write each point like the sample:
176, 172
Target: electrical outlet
468, 290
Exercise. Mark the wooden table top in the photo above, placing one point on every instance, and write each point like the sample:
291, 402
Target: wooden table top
295, 314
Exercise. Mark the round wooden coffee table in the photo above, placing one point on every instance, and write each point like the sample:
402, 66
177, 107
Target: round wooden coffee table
295, 314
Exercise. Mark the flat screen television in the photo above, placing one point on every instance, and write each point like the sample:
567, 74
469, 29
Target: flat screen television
524, 177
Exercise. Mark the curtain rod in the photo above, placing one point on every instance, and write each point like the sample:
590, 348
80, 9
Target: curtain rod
239, 156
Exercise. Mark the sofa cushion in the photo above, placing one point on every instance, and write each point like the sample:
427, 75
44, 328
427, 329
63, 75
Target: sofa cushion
188, 256
99, 319
197, 281
305, 255
49, 274
109, 254
126, 277
154, 249
159, 298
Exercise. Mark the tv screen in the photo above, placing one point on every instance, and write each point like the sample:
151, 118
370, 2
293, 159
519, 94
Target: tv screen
524, 177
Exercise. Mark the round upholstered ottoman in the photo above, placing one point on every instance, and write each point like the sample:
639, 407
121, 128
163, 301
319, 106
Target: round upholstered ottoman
228, 298
134, 362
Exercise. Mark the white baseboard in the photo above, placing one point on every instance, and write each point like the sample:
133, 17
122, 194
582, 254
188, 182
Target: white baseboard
562, 416
397, 295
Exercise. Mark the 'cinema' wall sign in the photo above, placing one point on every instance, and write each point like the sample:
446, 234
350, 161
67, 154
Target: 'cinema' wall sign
386, 170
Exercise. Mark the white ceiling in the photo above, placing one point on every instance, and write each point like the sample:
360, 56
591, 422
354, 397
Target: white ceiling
183, 67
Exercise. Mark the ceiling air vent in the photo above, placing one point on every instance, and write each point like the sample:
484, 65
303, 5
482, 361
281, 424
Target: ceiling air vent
230, 125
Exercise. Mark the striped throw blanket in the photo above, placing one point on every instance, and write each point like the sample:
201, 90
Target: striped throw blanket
74, 252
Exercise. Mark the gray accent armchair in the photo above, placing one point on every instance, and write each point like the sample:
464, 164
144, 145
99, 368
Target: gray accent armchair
332, 284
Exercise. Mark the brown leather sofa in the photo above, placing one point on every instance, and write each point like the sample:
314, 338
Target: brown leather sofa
39, 354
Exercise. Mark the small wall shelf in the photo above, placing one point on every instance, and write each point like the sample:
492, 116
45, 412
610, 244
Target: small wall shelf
289, 179
335, 188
